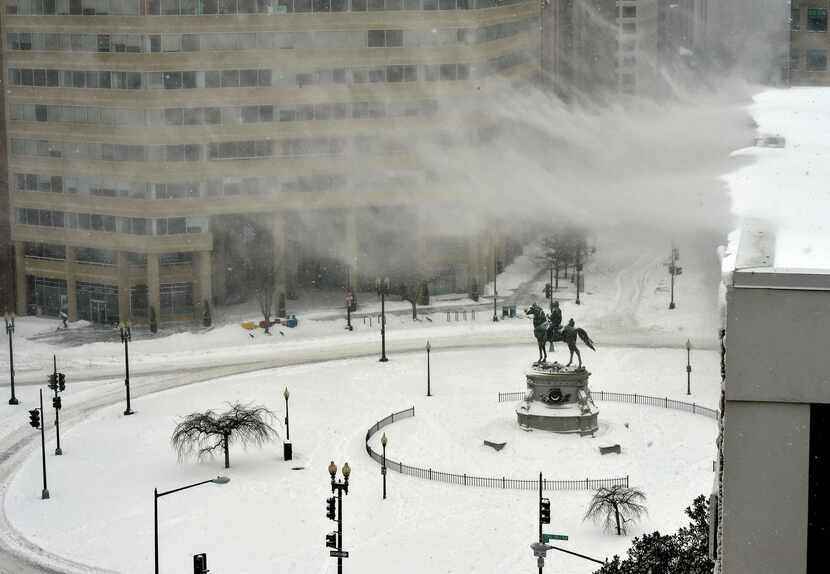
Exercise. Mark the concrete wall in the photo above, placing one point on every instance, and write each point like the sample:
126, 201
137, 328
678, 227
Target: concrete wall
778, 345
766, 452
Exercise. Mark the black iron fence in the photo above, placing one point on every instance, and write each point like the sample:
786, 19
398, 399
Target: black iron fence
472, 480
636, 399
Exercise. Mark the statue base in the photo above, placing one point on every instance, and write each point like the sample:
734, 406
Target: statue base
558, 400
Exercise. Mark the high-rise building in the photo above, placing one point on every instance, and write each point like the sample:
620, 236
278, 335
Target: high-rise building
809, 43
156, 145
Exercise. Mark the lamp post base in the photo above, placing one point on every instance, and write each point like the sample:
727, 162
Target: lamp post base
58, 451
45, 494
14, 401
671, 305
129, 412
383, 359
287, 451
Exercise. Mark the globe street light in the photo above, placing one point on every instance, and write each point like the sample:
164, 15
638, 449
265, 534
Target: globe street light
688, 367
428, 348
383, 442
126, 337
10, 331
382, 287
287, 453
335, 539
157, 495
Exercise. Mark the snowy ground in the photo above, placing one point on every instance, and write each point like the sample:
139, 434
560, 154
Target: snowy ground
273, 517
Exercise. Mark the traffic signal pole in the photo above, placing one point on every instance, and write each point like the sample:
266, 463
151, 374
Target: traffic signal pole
45, 493
56, 403
541, 537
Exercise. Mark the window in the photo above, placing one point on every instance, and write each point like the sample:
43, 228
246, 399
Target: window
795, 19
817, 19
816, 60
629, 11
377, 38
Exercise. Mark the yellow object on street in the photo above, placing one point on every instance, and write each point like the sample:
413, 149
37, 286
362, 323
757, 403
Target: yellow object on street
249, 325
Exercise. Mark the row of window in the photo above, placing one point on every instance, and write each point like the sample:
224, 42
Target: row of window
26, 77
233, 115
99, 303
149, 43
248, 149
218, 187
816, 19
111, 223
814, 60
229, 7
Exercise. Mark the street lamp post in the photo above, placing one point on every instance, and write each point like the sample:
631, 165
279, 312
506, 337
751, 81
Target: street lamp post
428, 348
551, 290
495, 289
382, 287
126, 337
383, 442
578, 273
674, 271
10, 332
287, 451
688, 367
349, 300
157, 495
339, 487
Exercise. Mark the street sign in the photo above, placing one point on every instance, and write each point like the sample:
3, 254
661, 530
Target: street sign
549, 537
339, 553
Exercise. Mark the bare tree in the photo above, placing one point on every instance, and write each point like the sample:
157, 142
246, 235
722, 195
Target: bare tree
265, 289
616, 506
204, 433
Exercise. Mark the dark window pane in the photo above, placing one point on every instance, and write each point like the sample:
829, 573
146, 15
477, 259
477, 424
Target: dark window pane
322, 6
264, 77
213, 79
394, 38
230, 78
376, 38
339, 5
302, 5
248, 78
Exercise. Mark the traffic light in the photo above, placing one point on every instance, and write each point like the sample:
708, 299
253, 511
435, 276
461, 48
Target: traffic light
34, 418
53, 381
200, 564
61, 382
548, 290
331, 540
544, 511
56, 402
330, 513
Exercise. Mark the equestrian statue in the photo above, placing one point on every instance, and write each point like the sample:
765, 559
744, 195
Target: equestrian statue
547, 331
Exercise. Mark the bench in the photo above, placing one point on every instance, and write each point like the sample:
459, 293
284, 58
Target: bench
497, 446
609, 449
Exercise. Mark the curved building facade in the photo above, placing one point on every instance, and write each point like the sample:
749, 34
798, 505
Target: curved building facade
148, 141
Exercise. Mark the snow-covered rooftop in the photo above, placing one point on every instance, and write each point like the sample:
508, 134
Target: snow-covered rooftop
783, 198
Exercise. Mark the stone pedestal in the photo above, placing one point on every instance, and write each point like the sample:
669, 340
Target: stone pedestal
558, 399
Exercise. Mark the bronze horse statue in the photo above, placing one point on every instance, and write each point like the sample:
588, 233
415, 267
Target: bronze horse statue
545, 332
